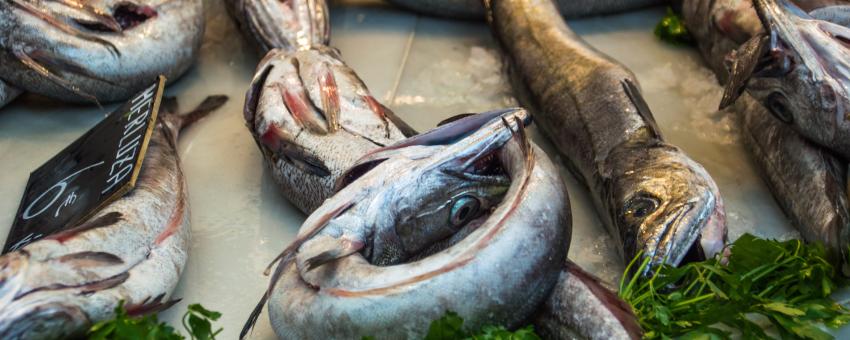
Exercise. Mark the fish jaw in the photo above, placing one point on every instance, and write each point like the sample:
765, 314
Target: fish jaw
668, 207
288, 25
803, 74
405, 203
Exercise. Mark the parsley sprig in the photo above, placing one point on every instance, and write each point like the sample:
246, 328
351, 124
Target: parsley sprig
672, 29
197, 321
785, 284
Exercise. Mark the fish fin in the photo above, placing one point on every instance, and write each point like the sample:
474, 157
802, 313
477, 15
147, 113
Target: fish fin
51, 19
56, 62
169, 105
106, 283
91, 258
282, 260
150, 306
99, 222
182, 121
402, 126
330, 97
454, 118
252, 96
742, 64
635, 96
278, 142
838, 14
619, 308
33, 65
327, 249
299, 105
102, 18
355, 172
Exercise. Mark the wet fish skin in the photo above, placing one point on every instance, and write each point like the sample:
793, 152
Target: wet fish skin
287, 25
652, 197
96, 51
312, 118
7, 93
807, 181
133, 250
361, 298
798, 69
472, 9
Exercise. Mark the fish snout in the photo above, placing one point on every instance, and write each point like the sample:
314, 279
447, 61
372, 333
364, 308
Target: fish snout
39, 320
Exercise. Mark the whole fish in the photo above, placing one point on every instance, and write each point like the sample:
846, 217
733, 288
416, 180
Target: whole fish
96, 51
491, 265
288, 25
312, 118
653, 198
133, 250
799, 69
569, 8
7, 93
807, 181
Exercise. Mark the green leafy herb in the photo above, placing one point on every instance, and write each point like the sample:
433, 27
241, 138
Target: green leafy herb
197, 321
450, 327
786, 284
672, 30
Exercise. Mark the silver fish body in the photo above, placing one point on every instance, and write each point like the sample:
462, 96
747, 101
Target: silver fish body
7, 93
798, 69
807, 181
96, 51
501, 269
133, 250
287, 25
568, 8
652, 197
312, 118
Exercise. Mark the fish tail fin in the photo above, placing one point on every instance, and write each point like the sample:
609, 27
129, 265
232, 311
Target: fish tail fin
179, 122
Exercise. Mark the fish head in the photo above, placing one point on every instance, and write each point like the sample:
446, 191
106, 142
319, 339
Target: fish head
666, 206
399, 200
799, 70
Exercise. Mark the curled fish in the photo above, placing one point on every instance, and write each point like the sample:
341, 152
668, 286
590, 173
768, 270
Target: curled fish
492, 262
133, 250
652, 197
96, 51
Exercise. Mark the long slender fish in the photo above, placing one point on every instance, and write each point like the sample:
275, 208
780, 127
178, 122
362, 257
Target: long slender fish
808, 182
96, 51
799, 69
652, 197
496, 269
568, 8
133, 250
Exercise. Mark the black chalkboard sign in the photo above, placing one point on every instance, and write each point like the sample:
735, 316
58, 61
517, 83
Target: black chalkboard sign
96, 169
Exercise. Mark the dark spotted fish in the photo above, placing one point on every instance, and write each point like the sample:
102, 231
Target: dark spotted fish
96, 51
653, 198
568, 8
133, 250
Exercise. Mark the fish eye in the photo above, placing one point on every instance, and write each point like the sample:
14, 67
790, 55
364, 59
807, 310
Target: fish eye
463, 210
641, 206
777, 105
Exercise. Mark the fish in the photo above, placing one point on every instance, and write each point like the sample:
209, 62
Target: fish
312, 118
133, 250
287, 25
96, 51
798, 67
7, 93
654, 199
472, 9
807, 181
495, 267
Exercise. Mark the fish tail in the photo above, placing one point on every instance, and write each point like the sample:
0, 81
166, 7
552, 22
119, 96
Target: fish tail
181, 121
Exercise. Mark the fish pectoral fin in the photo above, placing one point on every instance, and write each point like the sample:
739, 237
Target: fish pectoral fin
743, 63
42, 70
61, 23
324, 249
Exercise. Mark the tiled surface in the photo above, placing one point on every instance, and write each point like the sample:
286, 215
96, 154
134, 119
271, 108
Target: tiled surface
426, 70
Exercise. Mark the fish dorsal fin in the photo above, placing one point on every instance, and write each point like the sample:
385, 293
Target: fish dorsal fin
641, 106
742, 64
454, 118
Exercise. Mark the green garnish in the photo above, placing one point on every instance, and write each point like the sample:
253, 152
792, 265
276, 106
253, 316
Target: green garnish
197, 321
786, 284
672, 30
450, 327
